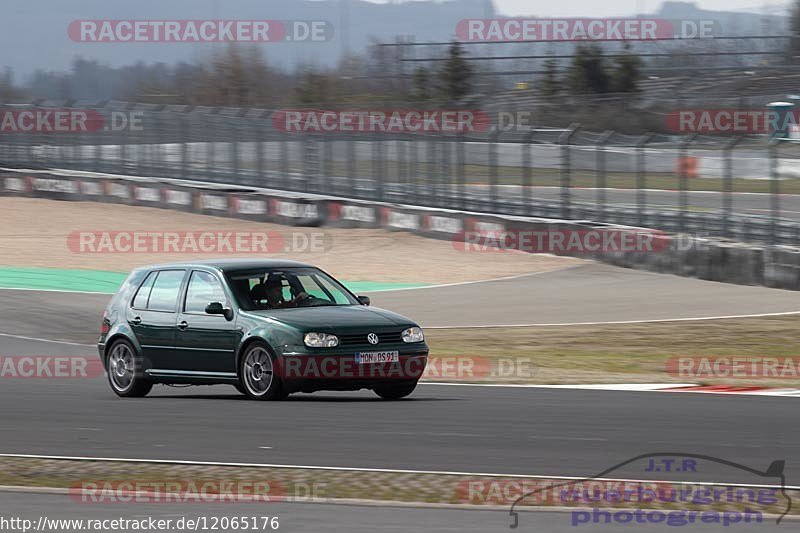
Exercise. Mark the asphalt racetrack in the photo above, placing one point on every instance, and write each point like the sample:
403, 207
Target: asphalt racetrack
529, 431
581, 294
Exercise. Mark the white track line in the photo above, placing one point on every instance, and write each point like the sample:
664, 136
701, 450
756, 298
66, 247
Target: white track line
621, 387
491, 280
613, 322
51, 341
54, 290
630, 387
376, 470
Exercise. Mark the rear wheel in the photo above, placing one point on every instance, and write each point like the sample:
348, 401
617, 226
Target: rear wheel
124, 369
395, 391
257, 377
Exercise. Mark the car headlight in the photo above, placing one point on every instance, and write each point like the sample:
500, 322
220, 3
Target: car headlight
320, 340
413, 335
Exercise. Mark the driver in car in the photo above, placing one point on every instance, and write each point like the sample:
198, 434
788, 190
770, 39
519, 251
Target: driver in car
274, 294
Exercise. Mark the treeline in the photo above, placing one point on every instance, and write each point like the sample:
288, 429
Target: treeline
242, 76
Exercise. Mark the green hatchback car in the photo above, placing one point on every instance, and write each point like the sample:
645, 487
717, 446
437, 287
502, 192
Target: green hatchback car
267, 327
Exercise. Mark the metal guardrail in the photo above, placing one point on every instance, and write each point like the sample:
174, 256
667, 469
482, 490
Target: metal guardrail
693, 184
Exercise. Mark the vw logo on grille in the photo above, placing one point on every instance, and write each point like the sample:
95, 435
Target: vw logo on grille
372, 338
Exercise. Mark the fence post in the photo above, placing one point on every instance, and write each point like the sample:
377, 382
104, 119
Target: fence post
727, 185
774, 190
683, 195
239, 136
259, 136
566, 171
461, 184
527, 171
376, 144
402, 166
494, 135
284, 155
185, 139
351, 166
430, 167
98, 137
641, 178
210, 136
601, 183
305, 148
447, 173
413, 167
326, 163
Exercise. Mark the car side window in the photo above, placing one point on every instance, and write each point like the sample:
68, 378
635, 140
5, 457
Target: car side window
140, 300
164, 294
203, 289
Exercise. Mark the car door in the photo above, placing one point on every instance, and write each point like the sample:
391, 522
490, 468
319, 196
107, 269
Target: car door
206, 343
152, 316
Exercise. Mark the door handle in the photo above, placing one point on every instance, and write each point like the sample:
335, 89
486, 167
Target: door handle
136, 320
183, 325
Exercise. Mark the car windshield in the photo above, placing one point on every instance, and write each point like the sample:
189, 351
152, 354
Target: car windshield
286, 288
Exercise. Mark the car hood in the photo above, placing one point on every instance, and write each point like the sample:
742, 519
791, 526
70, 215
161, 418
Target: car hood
349, 317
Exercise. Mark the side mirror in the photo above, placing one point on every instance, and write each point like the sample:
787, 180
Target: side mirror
216, 308
364, 300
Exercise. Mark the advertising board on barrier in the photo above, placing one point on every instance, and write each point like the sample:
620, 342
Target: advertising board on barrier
358, 213
13, 185
296, 212
62, 188
91, 188
443, 224
177, 199
249, 207
146, 195
399, 220
350, 215
118, 191
483, 227
211, 203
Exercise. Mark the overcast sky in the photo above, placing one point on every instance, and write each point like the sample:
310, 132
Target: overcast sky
605, 8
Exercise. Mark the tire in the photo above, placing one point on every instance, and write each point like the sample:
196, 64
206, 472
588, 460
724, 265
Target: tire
395, 391
240, 388
124, 371
257, 378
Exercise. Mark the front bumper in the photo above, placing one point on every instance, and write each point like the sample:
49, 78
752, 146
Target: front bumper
341, 371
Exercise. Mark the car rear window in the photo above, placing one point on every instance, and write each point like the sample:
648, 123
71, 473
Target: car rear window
164, 294
140, 301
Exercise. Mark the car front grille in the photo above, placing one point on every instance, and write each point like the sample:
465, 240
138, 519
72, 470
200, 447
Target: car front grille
358, 339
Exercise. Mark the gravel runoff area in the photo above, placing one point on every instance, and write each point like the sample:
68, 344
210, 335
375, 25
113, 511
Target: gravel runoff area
36, 233
88, 481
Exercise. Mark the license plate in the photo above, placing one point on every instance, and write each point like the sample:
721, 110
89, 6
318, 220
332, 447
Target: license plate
369, 358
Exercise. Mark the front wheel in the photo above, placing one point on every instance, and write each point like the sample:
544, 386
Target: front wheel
257, 376
124, 369
395, 391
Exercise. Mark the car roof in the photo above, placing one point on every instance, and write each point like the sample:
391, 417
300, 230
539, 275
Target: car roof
233, 264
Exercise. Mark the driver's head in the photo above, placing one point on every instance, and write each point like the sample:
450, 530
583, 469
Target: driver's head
274, 290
